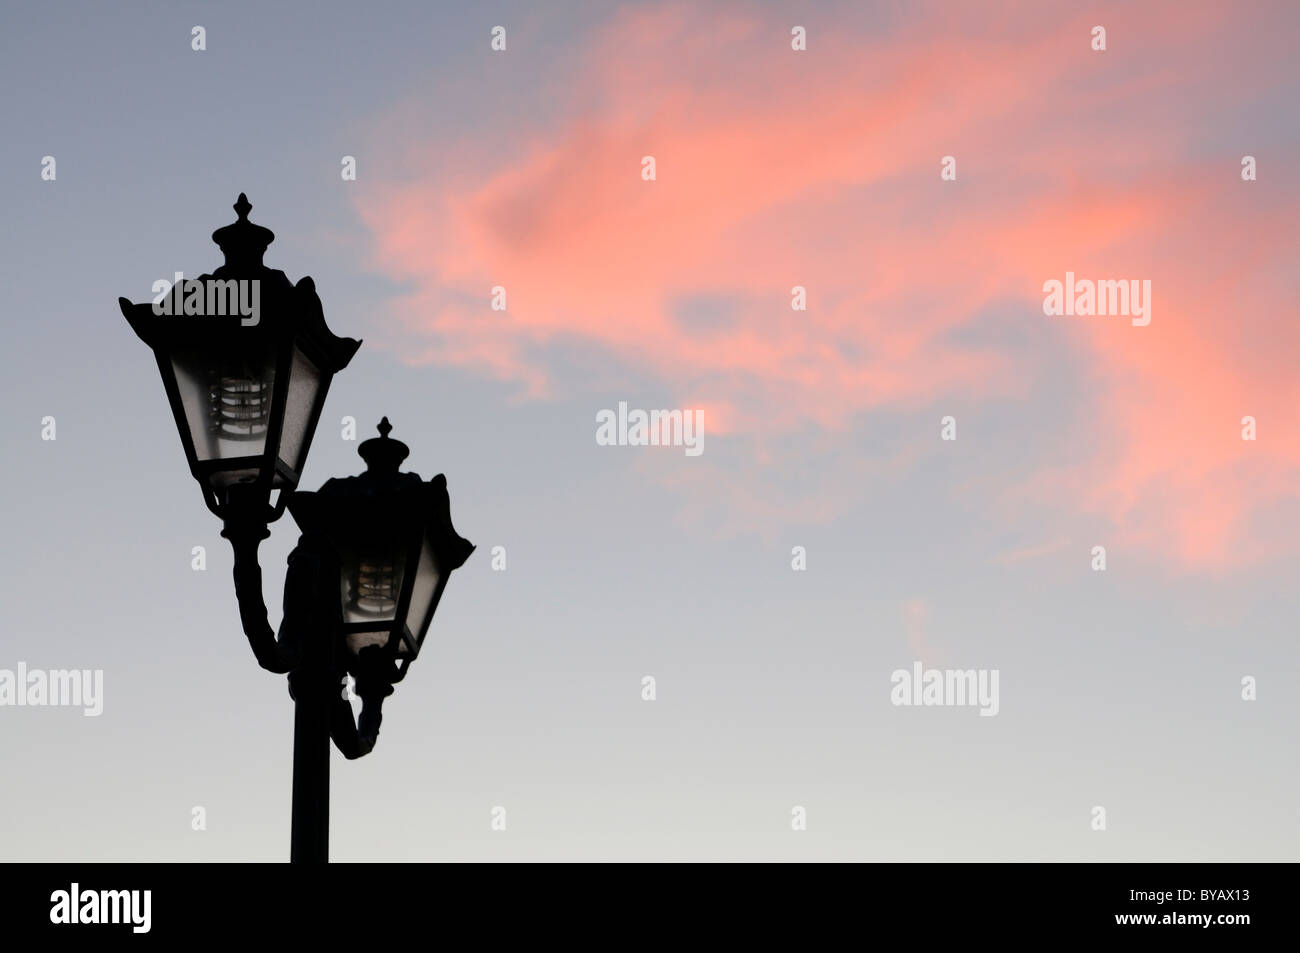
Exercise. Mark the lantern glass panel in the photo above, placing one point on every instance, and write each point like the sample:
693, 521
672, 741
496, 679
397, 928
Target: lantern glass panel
227, 400
304, 385
359, 640
427, 576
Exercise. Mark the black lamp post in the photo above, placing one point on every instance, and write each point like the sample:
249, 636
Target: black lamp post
246, 387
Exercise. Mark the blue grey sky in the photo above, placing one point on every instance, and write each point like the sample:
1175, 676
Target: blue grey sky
1119, 688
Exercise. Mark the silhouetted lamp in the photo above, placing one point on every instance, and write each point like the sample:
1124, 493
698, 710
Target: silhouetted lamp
395, 544
246, 367
246, 359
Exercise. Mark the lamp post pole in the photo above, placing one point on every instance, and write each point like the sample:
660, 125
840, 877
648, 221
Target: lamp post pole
311, 691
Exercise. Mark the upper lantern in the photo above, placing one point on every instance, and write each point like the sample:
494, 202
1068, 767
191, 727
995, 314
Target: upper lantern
246, 359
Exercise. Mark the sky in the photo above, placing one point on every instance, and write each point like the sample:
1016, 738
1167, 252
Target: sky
825, 169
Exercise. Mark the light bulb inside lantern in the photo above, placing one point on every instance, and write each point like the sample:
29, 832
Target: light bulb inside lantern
375, 587
240, 405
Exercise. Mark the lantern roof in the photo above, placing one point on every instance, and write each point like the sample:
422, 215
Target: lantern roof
286, 310
383, 500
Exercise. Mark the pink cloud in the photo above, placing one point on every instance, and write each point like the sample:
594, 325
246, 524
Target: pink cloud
821, 169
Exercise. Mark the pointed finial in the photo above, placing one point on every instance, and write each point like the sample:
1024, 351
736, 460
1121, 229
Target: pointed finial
383, 454
243, 242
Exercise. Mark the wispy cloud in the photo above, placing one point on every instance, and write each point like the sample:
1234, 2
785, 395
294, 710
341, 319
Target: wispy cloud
821, 169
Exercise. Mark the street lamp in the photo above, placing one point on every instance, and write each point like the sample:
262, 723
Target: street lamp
246, 387
393, 536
